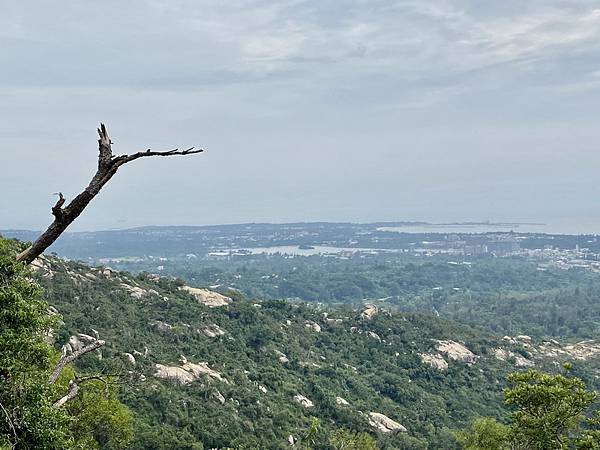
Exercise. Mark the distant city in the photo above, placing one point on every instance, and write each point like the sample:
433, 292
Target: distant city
154, 246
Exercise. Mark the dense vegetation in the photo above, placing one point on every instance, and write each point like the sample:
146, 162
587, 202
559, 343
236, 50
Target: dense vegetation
380, 372
331, 352
386, 377
29, 417
548, 412
502, 295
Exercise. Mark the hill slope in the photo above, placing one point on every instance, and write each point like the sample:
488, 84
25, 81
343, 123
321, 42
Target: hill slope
204, 371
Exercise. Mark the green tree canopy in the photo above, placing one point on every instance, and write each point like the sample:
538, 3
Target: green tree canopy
29, 418
550, 412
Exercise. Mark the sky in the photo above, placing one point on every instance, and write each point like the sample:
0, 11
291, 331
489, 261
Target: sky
334, 110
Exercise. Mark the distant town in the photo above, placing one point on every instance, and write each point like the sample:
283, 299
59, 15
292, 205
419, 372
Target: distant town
154, 246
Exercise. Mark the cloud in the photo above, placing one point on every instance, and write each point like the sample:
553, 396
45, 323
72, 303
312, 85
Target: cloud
295, 96
154, 43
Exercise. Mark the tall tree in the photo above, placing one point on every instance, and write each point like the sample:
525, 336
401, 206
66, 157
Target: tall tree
31, 415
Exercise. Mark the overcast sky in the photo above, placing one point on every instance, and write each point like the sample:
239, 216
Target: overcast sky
335, 110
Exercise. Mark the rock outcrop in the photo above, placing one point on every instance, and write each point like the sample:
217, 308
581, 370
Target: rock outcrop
341, 401
384, 424
42, 265
369, 312
187, 372
282, 357
505, 355
302, 400
130, 358
373, 335
209, 298
456, 352
162, 326
313, 326
213, 331
76, 343
434, 360
178, 374
134, 291
581, 351
219, 397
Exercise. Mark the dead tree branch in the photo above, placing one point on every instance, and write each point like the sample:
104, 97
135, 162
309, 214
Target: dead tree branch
10, 423
71, 394
67, 359
74, 389
108, 164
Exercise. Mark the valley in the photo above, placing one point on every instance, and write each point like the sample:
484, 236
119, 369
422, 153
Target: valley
348, 329
406, 346
226, 371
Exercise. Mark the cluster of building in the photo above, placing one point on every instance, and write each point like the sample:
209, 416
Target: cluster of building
471, 245
581, 258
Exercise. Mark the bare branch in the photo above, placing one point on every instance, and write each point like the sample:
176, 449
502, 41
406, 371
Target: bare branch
10, 423
71, 394
92, 377
72, 357
105, 147
175, 152
74, 388
57, 209
108, 164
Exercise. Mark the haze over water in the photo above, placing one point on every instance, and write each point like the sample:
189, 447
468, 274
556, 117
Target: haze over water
557, 227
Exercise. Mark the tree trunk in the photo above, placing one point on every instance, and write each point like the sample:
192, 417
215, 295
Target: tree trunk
107, 167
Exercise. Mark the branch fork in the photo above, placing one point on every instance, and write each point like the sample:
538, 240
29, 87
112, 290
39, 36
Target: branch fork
66, 359
108, 164
73, 384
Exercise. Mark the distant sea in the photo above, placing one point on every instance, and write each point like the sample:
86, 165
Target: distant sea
314, 250
570, 226
576, 228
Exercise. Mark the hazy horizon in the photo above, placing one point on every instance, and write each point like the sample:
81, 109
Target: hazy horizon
409, 226
444, 111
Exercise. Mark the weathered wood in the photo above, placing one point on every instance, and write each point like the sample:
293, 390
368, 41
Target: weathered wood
74, 389
67, 359
108, 164
71, 394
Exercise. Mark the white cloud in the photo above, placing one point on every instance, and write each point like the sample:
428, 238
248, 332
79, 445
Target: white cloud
154, 41
273, 84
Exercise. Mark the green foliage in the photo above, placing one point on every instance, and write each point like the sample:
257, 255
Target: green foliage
503, 295
485, 434
375, 374
352, 440
343, 359
28, 419
590, 438
100, 415
23, 317
310, 438
549, 413
549, 409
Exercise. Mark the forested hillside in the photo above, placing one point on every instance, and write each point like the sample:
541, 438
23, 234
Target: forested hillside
503, 295
203, 370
